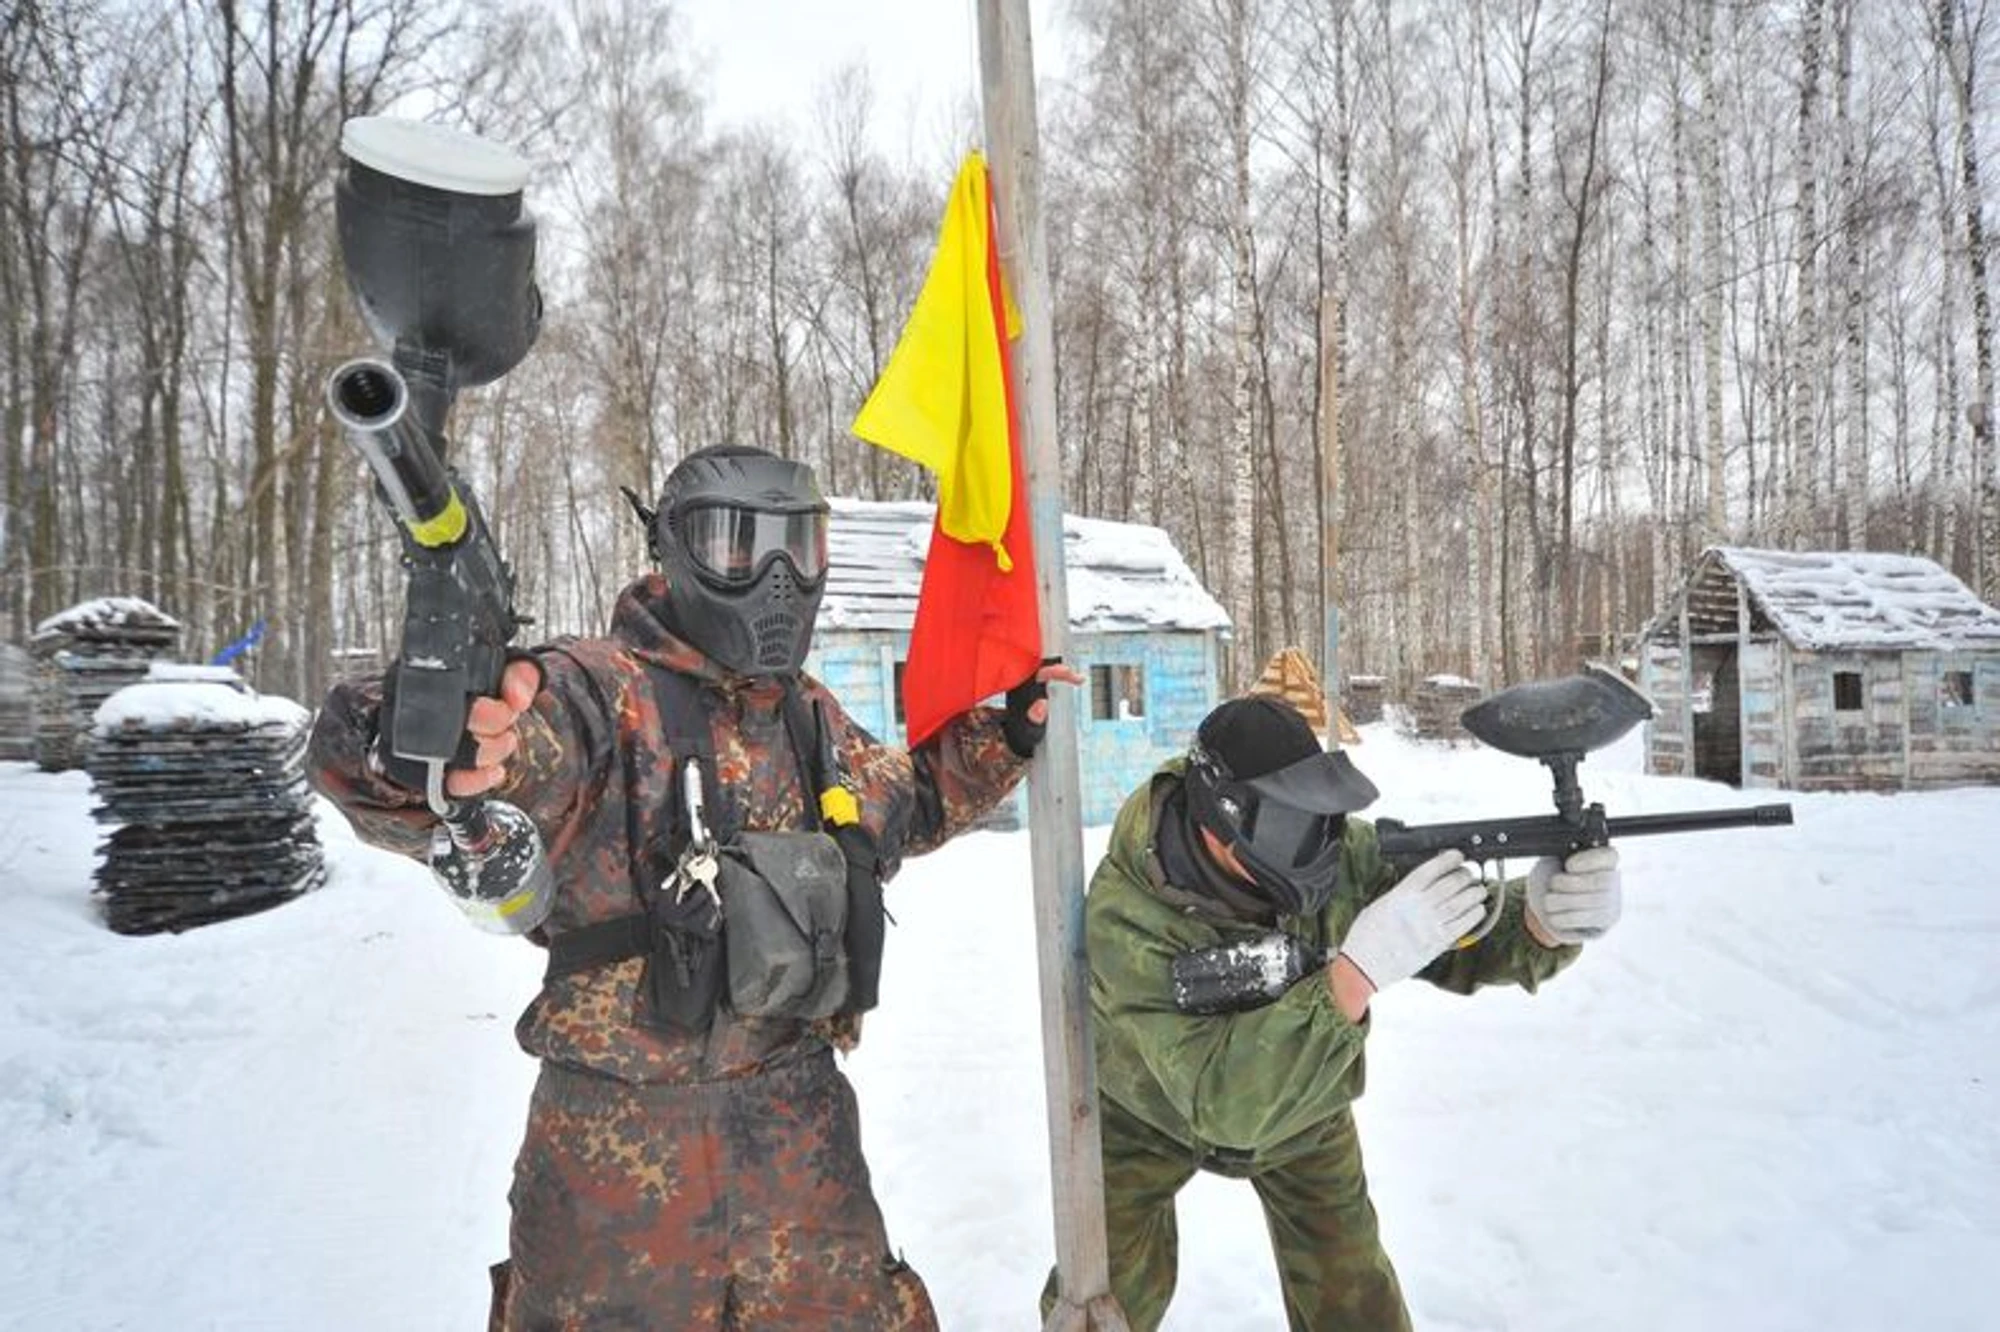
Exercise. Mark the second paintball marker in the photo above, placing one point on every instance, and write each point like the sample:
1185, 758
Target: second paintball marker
440, 259
1555, 721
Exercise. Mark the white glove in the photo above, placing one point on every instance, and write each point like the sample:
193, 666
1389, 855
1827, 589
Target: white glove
1429, 910
1578, 899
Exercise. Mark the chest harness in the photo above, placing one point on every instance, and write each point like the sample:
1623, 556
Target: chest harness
778, 924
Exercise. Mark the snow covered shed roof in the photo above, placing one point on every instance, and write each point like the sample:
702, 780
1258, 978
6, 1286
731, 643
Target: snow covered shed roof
1123, 577
1819, 600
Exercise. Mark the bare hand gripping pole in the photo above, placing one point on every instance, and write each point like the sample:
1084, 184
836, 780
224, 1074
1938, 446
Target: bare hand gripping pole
440, 258
1555, 721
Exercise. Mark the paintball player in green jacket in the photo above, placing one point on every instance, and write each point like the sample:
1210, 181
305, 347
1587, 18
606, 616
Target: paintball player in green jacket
1245, 835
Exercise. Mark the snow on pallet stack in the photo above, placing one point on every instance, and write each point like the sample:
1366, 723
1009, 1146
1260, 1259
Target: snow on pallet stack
206, 780
83, 656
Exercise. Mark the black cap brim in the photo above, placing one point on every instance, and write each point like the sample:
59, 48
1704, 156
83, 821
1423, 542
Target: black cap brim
1318, 784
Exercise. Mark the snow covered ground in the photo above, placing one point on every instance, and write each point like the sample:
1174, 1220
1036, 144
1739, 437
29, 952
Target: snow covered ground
1770, 1100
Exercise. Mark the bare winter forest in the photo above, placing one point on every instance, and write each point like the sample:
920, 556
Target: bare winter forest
1477, 317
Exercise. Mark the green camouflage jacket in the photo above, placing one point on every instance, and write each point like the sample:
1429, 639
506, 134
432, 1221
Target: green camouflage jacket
1245, 1082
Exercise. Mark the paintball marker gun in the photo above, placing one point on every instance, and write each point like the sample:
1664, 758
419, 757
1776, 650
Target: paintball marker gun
1555, 721
440, 259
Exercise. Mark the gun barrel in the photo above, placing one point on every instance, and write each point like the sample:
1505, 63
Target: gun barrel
371, 401
1552, 835
1754, 816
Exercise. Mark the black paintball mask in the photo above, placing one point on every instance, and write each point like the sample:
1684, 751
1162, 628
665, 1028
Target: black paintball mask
1258, 780
741, 535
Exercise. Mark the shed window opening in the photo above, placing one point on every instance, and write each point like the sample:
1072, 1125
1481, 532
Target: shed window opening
1847, 691
1955, 689
1117, 693
896, 694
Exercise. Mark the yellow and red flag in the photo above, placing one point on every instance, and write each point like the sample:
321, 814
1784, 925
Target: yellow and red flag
946, 401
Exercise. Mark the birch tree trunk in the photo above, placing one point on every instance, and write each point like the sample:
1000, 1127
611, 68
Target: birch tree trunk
1683, 346
1332, 124
1855, 460
1655, 435
1526, 338
1234, 23
1609, 542
1715, 278
1582, 204
1963, 48
1493, 612
1942, 139
1464, 176
1802, 475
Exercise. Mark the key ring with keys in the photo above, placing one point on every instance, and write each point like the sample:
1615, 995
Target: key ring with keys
697, 863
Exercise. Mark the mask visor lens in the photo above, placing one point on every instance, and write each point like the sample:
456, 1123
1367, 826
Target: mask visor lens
735, 544
1286, 837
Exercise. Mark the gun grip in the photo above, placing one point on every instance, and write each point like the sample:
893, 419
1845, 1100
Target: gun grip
427, 720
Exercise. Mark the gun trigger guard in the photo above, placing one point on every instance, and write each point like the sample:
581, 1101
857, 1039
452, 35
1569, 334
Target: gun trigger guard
434, 795
1496, 906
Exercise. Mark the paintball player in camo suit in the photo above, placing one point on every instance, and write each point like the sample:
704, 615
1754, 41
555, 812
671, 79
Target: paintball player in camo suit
686, 1166
1245, 834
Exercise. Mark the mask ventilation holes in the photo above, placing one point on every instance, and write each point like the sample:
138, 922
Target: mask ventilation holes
776, 634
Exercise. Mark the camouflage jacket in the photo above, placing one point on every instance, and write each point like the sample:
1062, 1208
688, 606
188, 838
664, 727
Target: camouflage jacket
1245, 1082
594, 773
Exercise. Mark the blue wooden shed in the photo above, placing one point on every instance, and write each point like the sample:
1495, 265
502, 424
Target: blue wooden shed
1143, 630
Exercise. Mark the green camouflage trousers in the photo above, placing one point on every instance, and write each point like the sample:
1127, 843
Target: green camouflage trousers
730, 1206
1331, 1266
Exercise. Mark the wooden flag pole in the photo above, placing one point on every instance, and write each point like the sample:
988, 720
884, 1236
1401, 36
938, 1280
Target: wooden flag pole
1007, 77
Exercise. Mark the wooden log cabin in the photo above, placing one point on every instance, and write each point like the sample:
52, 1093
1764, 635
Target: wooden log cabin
1816, 671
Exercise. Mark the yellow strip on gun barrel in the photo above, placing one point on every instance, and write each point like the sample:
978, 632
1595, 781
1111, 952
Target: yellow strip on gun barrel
447, 527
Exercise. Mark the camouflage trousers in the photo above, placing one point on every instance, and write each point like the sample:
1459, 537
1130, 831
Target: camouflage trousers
717, 1207
1331, 1266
